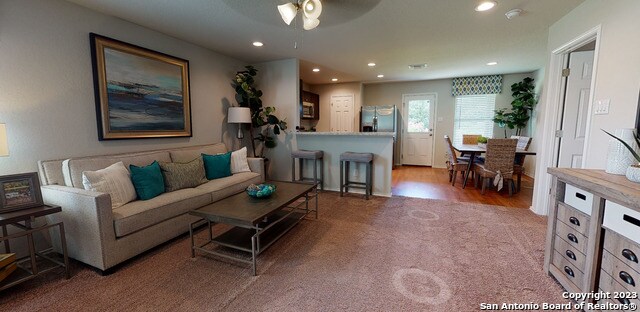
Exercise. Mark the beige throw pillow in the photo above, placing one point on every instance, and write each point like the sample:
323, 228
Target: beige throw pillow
182, 175
114, 180
239, 161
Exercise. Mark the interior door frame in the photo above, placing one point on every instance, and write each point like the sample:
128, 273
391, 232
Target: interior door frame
353, 110
435, 123
554, 106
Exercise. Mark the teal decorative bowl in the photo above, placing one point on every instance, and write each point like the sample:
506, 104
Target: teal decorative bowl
261, 190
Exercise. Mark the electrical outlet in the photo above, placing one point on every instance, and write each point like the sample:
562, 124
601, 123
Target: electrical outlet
602, 107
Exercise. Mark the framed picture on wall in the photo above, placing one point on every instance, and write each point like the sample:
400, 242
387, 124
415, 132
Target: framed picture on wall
19, 191
139, 93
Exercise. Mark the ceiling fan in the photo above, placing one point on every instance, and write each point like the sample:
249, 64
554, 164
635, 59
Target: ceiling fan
311, 10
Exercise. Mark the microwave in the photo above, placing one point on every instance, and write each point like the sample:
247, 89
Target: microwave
308, 110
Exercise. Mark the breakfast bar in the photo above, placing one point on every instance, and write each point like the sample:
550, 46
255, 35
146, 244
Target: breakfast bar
335, 143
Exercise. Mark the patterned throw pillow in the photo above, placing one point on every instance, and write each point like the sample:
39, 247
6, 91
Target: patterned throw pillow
182, 175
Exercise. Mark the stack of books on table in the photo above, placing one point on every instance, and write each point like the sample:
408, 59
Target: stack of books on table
7, 265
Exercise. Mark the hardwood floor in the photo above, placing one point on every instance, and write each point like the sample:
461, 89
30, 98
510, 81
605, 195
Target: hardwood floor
427, 182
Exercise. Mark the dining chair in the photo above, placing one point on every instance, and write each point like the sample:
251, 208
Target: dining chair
499, 158
454, 164
469, 139
518, 167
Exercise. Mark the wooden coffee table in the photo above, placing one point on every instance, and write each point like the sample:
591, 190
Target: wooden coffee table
257, 223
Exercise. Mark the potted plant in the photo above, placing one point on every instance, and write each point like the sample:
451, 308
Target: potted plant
482, 141
633, 171
523, 101
263, 121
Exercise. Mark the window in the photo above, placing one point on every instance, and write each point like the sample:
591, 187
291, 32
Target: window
473, 115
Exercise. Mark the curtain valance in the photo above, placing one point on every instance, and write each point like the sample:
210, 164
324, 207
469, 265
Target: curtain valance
477, 85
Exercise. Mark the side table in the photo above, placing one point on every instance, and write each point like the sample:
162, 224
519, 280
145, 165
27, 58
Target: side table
37, 262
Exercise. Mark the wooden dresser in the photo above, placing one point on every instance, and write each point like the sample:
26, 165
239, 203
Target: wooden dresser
593, 234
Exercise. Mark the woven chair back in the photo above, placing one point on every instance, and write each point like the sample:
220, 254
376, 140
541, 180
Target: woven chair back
500, 155
451, 153
470, 138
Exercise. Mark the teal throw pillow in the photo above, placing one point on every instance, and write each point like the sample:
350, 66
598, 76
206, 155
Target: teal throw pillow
217, 166
147, 180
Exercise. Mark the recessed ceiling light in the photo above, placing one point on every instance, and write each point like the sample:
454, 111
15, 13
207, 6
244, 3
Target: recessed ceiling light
380, 76
258, 44
334, 79
371, 64
315, 70
492, 63
485, 5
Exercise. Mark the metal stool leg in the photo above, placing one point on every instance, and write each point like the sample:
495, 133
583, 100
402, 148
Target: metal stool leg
367, 190
293, 169
347, 164
341, 177
315, 172
300, 168
322, 174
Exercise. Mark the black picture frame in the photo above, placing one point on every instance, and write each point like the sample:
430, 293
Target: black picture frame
139, 93
20, 191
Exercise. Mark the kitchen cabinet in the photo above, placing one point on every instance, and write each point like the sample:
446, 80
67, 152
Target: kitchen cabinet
309, 105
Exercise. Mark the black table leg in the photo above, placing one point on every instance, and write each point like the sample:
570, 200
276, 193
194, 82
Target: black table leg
466, 174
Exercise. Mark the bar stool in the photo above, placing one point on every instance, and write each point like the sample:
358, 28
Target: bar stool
345, 159
302, 155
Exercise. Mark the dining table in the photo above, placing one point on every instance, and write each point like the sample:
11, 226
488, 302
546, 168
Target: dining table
475, 149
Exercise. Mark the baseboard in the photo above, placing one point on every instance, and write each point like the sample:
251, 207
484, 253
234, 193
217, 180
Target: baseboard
358, 191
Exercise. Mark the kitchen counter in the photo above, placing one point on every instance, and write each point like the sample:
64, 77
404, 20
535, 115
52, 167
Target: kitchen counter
375, 134
335, 143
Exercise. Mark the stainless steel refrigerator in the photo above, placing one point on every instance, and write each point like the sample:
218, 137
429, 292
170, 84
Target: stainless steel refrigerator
380, 119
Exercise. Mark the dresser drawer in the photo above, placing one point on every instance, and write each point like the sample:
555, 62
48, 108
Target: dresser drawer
578, 198
622, 248
572, 237
570, 253
568, 270
622, 220
620, 272
607, 284
573, 218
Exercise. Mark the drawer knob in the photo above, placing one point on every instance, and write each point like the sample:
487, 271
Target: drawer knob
570, 254
629, 255
627, 278
574, 221
569, 271
581, 196
572, 238
624, 300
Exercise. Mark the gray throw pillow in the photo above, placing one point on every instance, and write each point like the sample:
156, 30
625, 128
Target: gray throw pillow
183, 175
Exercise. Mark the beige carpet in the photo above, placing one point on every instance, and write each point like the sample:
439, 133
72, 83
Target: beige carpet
385, 254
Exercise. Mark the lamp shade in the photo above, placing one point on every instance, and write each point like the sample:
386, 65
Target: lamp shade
310, 23
312, 8
288, 12
239, 115
4, 146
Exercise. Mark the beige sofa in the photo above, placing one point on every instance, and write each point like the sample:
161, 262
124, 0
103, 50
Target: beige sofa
103, 237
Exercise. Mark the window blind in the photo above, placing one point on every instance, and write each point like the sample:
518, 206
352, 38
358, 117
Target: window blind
473, 115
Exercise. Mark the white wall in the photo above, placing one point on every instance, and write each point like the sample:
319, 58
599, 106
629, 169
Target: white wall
391, 94
46, 85
617, 77
280, 83
326, 91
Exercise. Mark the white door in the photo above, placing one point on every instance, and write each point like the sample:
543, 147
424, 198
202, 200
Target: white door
417, 128
342, 113
576, 109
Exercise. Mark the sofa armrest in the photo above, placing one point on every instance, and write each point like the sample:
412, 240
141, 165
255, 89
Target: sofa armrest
88, 222
257, 165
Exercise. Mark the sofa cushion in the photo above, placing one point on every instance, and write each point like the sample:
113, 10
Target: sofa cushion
140, 214
239, 161
72, 168
183, 175
147, 180
113, 180
225, 187
185, 155
217, 166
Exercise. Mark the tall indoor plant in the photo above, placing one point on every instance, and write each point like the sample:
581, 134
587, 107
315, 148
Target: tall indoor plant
263, 121
523, 101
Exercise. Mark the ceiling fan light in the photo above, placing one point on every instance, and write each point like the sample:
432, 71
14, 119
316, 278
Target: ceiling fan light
312, 8
288, 12
309, 23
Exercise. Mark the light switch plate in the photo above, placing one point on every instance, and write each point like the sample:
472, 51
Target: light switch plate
602, 107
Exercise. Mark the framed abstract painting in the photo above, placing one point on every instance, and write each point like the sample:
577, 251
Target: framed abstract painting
139, 93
